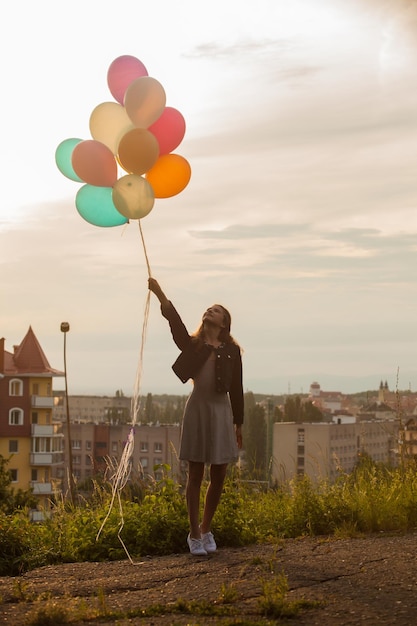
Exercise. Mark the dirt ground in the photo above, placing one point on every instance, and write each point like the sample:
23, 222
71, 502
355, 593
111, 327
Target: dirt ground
349, 582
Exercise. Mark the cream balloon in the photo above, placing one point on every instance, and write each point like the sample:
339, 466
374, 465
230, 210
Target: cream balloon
133, 196
108, 123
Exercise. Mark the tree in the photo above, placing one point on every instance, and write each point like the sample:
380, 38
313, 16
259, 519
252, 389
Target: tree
149, 409
297, 411
254, 441
312, 413
11, 500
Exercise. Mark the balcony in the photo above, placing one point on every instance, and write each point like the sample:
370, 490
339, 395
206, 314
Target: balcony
42, 402
41, 489
39, 516
46, 430
46, 458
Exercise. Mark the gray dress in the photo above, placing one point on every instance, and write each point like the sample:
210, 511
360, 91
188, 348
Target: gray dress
208, 435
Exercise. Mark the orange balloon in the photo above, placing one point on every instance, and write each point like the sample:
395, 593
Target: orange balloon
138, 151
94, 163
169, 176
133, 196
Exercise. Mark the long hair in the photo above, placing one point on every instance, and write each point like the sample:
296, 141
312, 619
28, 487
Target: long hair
224, 335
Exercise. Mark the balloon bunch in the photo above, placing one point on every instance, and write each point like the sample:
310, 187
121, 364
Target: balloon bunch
129, 161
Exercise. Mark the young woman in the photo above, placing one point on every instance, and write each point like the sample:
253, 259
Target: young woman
213, 416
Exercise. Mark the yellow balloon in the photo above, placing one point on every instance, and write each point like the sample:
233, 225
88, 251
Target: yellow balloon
133, 196
169, 176
108, 123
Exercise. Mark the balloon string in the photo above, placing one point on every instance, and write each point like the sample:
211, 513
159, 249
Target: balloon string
144, 249
122, 473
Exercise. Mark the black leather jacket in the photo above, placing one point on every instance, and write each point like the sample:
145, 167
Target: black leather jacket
228, 363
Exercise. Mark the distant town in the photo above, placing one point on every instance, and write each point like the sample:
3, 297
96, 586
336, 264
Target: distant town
54, 442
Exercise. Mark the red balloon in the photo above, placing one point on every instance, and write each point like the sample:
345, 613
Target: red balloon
169, 129
94, 163
123, 71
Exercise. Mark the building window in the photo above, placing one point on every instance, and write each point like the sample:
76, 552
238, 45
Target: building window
157, 447
35, 389
34, 418
88, 445
41, 444
87, 459
114, 446
157, 461
15, 417
143, 446
34, 475
15, 387
76, 444
13, 475
144, 462
13, 445
76, 459
300, 435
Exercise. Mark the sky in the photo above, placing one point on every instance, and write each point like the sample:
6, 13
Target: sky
300, 216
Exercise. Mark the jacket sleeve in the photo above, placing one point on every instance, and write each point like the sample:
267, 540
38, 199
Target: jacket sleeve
236, 392
179, 332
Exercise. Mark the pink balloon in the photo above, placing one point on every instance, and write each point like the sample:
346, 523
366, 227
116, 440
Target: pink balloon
169, 129
123, 71
94, 163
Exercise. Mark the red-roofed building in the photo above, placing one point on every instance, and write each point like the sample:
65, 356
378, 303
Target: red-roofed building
27, 435
326, 401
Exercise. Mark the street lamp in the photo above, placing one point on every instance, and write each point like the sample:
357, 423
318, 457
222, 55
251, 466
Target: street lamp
65, 329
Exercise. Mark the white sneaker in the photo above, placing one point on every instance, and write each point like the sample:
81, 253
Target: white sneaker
208, 542
196, 546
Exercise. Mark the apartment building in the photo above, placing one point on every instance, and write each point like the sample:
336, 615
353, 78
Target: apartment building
407, 439
95, 409
28, 436
322, 450
97, 450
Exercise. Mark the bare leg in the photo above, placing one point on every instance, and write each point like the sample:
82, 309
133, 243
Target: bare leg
214, 492
195, 477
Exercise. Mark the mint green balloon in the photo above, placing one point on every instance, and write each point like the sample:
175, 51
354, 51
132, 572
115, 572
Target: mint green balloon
63, 158
95, 205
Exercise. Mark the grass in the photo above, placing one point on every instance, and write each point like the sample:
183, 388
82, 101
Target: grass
272, 603
374, 498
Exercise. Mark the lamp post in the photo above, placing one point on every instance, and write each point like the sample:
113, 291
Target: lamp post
65, 329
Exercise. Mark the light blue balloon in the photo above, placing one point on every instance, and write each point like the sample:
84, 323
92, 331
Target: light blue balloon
95, 205
63, 158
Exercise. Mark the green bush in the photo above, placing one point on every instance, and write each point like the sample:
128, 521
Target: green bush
113, 526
